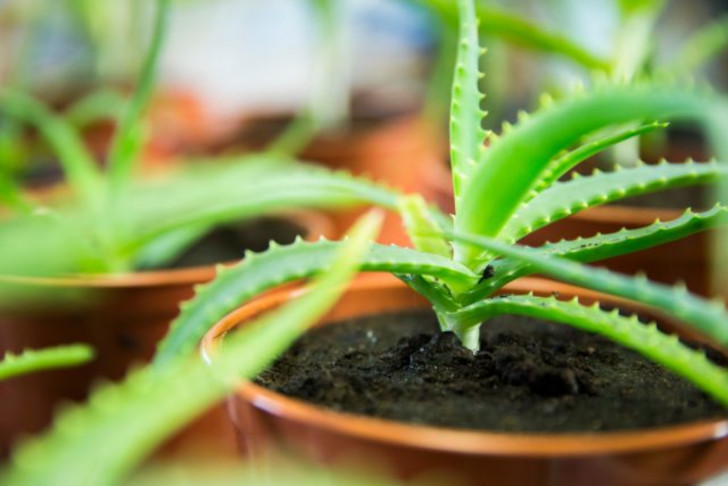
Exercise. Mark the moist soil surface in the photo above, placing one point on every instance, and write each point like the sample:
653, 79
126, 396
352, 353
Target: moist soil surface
529, 376
228, 242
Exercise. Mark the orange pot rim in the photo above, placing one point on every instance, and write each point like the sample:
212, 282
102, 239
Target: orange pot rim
316, 224
450, 439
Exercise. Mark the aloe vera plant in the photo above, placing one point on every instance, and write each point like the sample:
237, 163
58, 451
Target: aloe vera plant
504, 190
152, 403
114, 223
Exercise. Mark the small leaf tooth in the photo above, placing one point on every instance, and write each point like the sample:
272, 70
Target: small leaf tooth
546, 100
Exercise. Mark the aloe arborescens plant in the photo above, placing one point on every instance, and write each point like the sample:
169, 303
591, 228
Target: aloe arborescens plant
504, 191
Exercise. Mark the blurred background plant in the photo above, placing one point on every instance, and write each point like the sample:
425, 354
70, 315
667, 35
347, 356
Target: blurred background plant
317, 77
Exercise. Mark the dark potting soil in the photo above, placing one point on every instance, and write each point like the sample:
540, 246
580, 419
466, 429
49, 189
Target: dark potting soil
530, 376
229, 242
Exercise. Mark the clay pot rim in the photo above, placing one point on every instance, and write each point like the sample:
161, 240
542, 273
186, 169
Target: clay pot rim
315, 223
450, 439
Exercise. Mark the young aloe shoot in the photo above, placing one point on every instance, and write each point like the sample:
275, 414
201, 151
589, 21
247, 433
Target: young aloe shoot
503, 191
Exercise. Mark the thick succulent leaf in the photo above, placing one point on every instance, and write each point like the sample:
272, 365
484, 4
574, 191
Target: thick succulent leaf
104, 103
515, 162
37, 245
77, 162
582, 192
497, 22
561, 165
602, 246
706, 317
30, 361
152, 403
709, 41
500, 23
635, 37
161, 251
422, 228
330, 93
646, 339
128, 138
236, 192
281, 264
12, 196
466, 132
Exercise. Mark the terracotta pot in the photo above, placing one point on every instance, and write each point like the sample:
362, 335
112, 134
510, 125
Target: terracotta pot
677, 455
122, 317
179, 125
688, 259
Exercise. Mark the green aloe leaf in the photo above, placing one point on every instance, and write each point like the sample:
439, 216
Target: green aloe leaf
704, 316
281, 264
422, 227
601, 247
77, 162
513, 164
709, 41
497, 22
128, 139
98, 105
582, 192
31, 361
561, 165
466, 116
242, 193
152, 403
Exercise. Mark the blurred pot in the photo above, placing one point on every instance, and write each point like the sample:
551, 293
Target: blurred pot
122, 317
